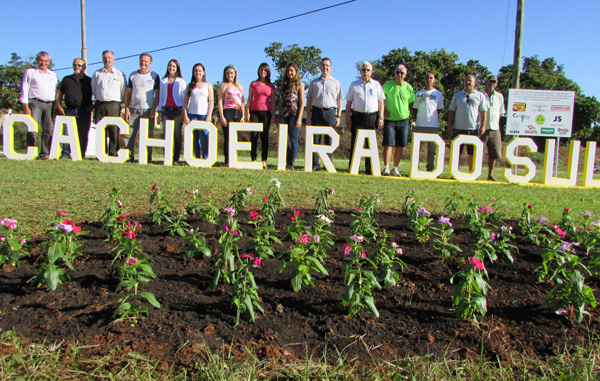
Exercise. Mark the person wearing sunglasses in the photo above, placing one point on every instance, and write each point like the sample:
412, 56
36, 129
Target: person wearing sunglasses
399, 94
467, 113
76, 90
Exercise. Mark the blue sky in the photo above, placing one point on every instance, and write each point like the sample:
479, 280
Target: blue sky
361, 30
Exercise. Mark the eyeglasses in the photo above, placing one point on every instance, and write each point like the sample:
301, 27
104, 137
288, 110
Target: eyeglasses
364, 69
400, 72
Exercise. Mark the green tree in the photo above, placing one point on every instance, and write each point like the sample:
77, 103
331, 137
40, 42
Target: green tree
549, 75
307, 59
11, 75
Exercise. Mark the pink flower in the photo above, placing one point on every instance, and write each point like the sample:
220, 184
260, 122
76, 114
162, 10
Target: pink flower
445, 220
363, 254
562, 311
253, 215
128, 234
485, 209
266, 198
317, 238
357, 238
2, 239
529, 206
256, 262
12, 225
323, 218
541, 219
297, 212
184, 212
566, 211
235, 232
22, 242
62, 213
248, 190
226, 227
332, 191
122, 217
358, 209
120, 204
230, 211
476, 262
292, 218
76, 229
155, 187
347, 249
305, 238
132, 261
247, 256
493, 236
560, 232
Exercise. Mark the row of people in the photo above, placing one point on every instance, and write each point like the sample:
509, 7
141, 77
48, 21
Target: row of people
369, 105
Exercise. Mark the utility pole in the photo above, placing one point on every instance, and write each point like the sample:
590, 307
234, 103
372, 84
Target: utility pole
518, 37
83, 47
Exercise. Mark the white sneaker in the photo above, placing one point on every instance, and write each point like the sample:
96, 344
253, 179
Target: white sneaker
386, 172
395, 172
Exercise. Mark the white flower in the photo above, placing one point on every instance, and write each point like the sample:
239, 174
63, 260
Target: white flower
324, 218
276, 182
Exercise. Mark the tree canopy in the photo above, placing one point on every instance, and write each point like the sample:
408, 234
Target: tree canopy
11, 75
307, 59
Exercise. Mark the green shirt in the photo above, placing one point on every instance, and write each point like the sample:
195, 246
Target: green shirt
397, 99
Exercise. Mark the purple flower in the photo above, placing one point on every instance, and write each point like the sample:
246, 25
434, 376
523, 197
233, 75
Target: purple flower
567, 246
423, 211
562, 311
445, 221
595, 223
587, 213
541, 219
64, 227
191, 231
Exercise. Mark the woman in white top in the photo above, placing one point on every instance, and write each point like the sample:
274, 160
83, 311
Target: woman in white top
231, 105
170, 103
198, 105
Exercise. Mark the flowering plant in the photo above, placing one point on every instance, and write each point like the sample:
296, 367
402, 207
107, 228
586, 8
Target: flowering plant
206, 209
262, 239
225, 261
162, 205
114, 209
566, 222
133, 272
245, 292
178, 224
411, 204
12, 247
531, 228
321, 204
501, 242
196, 244
364, 222
238, 200
62, 244
307, 257
360, 282
127, 245
420, 225
272, 202
471, 290
386, 257
441, 244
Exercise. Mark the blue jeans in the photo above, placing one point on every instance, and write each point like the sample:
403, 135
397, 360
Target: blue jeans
200, 138
292, 146
83, 117
41, 112
231, 115
395, 133
320, 117
173, 113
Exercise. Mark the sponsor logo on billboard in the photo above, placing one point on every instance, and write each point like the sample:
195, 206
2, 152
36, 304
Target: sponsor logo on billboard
530, 130
522, 116
560, 108
563, 131
519, 106
540, 119
547, 131
539, 108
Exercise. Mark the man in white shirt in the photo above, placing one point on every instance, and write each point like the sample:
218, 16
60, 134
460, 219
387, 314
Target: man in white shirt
364, 107
491, 135
468, 113
323, 105
108, 87
428, 102
141, 101
38, 92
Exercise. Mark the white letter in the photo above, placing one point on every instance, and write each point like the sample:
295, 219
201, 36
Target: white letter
235, 146
8, 137
188, 148
510, 155
417, 139
321, 149
455, 157
572, 166
166, 143
282, 147
71, 138
123, 128
359, 152
588, 166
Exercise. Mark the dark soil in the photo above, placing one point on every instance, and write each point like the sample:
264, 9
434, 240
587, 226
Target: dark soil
416, 317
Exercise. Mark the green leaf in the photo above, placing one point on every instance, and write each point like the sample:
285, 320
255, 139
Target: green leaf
348, 292
150, 298
297, 279
52, 276
249, 307
371, 277
370, 302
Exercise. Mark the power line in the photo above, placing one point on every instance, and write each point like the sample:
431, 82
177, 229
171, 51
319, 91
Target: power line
226, 34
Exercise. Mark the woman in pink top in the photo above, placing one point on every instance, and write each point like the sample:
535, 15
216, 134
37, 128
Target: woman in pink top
231, 105
261, 109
